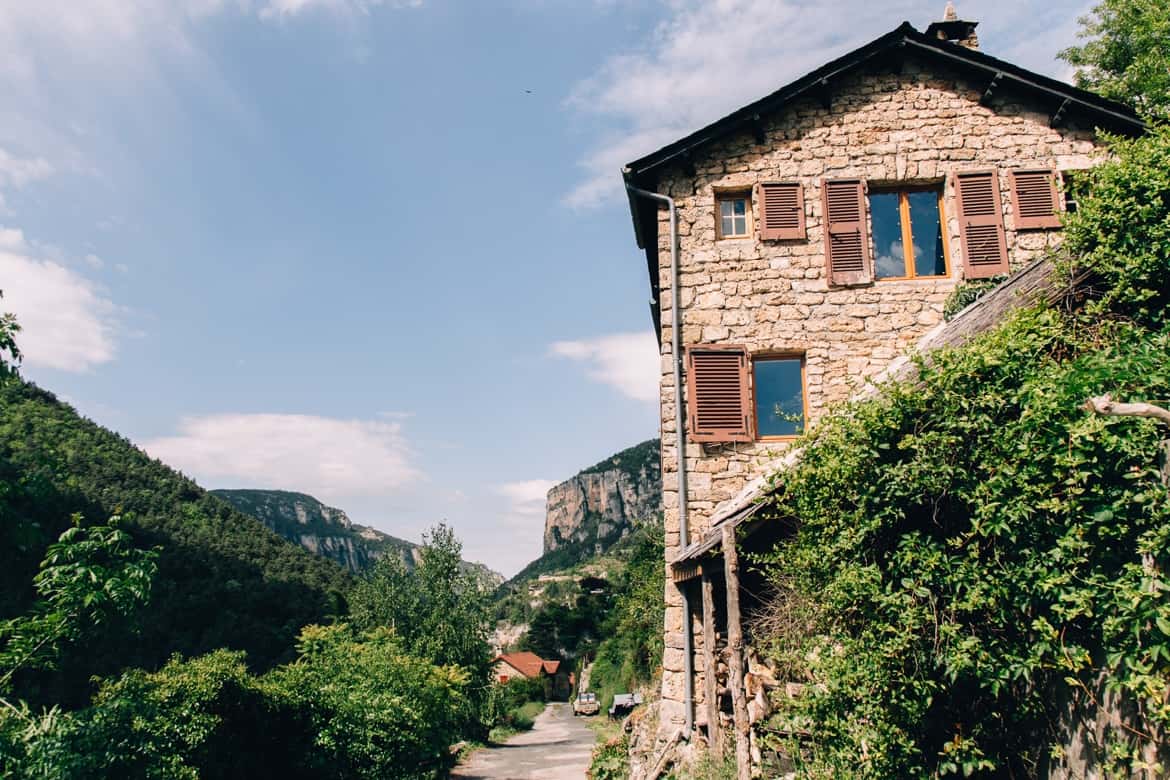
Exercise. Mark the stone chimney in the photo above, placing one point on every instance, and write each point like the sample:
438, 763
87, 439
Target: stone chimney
954, 29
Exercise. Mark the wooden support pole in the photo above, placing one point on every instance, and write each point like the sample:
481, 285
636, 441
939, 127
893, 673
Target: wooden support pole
710, 684
743, 754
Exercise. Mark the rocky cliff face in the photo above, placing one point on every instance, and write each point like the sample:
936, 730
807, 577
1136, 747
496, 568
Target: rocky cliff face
320, 529
600, 505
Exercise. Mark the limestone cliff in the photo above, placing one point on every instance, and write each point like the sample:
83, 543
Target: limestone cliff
600, 505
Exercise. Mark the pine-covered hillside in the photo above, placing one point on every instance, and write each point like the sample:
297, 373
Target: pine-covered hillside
224, 579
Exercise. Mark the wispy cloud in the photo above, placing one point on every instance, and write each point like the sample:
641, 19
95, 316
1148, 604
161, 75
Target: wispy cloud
626, 361
17, 172
324, 456
282, 8
526, 502
67, 322
708, 58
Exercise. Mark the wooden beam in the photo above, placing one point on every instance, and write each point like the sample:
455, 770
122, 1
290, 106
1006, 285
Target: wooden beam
990, 91
743, 754
710, 684
1058, 117
758, 129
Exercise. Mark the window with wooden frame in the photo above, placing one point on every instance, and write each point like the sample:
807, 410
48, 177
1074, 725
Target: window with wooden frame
733, 214
1035, 200
778, 393
907, 233
733, 396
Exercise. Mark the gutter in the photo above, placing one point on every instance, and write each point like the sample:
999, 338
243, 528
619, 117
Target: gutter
680, 432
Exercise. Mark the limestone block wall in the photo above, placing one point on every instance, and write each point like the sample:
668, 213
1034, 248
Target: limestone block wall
905, 126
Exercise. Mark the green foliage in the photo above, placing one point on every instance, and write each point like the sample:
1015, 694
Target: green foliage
1127, 46
439, 610
1123, 232
9, 352
966, 293
91, 576
981, 548
373, 710
611, 760
353, 706
631, 645
224, 580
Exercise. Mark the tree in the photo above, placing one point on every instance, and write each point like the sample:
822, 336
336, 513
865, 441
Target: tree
8, 330
439, 610
1126, 54
89, 577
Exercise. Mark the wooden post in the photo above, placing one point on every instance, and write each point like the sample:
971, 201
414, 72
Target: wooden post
710, 684
743, 754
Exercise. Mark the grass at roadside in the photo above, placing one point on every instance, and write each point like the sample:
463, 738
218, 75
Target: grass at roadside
519, 719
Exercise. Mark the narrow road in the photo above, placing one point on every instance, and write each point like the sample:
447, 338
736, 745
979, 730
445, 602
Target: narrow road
557, 748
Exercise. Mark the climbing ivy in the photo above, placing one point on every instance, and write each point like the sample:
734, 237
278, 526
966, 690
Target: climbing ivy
984, 552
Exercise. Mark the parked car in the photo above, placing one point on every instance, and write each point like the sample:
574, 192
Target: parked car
623, 703
586, 704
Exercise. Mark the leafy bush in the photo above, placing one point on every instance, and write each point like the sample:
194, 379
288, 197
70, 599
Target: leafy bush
353, 706
372, 710
984, 551
631, 647
611, 760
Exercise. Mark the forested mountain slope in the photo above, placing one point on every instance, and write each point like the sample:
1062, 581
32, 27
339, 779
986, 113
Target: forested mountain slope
327, 531
324, 530
224, 579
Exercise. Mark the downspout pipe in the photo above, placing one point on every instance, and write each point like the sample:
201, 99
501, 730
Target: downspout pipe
681, 446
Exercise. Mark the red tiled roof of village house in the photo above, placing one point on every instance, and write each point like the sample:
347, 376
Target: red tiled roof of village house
528, 664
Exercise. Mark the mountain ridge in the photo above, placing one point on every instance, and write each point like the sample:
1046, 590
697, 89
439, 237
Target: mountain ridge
328, 532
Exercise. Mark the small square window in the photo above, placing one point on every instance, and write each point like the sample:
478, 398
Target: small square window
733, 215
778, 384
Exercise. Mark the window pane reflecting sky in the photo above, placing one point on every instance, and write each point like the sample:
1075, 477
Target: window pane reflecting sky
927, 232
779, 397
887, 234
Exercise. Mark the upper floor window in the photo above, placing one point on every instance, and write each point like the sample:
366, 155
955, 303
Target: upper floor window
778, 387
733, 214
907, 233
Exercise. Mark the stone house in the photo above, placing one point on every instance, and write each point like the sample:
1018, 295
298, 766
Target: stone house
810, 240
556, 678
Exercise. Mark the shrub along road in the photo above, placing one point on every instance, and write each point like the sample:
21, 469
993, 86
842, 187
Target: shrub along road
557, 748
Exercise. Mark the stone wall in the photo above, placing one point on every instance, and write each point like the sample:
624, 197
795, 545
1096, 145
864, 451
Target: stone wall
908, 125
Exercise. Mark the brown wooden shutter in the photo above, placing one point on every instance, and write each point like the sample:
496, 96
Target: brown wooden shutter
718, 398
981, 223
846, 243
1034, 199
781, 210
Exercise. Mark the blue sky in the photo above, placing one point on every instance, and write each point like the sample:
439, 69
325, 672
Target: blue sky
377, 251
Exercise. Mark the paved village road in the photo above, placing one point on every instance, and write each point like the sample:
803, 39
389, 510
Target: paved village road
557, 748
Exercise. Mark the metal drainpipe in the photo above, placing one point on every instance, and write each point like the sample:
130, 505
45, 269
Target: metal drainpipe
681, 447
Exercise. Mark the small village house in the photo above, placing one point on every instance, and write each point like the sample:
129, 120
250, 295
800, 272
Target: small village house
799, 247
527, 665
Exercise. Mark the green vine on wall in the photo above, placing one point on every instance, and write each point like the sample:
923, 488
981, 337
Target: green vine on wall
987, 555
